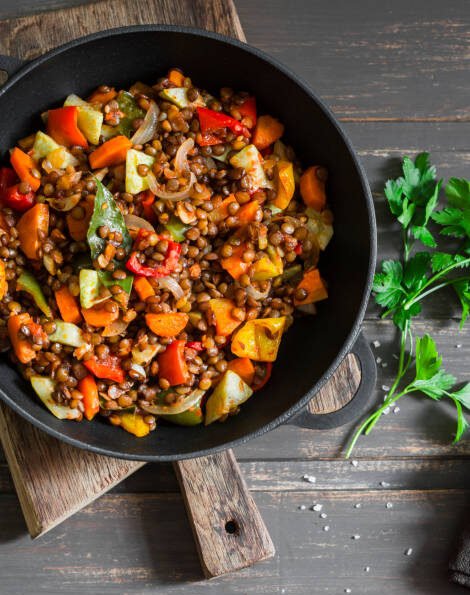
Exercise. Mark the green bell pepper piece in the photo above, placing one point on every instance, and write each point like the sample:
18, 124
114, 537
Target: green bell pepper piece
27, 282
128, 105
177, 229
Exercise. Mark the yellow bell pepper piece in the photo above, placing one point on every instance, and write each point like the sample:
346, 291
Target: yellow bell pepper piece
285, 184
267, 267
259, 339
230, 392
133, 423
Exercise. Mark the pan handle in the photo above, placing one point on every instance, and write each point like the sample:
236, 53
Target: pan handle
357, 405
10, 64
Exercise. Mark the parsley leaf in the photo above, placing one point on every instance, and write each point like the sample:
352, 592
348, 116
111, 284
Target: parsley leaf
462, 289
413, 197
455, 218
442, 260
387, 285
430, 379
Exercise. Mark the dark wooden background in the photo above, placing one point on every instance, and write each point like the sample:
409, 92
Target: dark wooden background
397, 75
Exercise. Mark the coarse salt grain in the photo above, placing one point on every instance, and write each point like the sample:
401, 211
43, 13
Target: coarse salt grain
409, 551
302, 507
458, 346
326, 528
385, 484
376, 344
367, 569
389, 505
354, 463
347, 590
357, 505
384, 365
355, 537
323, 515
396, 409
386, 411
378, 360
385, 387
309, 478
317, 507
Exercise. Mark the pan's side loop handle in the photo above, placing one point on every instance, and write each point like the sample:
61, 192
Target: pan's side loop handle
357, 405
10, 64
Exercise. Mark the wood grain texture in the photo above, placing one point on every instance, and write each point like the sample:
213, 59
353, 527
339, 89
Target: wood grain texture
57, 480
376, 64
393, 61
337, 392
140, 544
227, 526
53, 480
31, 479
29, 36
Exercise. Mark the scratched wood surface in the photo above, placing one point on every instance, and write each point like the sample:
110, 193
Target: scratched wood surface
397, 74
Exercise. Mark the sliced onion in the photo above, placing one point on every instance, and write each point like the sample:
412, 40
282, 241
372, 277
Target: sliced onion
147, 129
181, 157
134, 222
100, 174
307, 308
172, 286
256, 294
182, 405
66, 203
115, 328
139, 369
164, 194
49, 168
187, 217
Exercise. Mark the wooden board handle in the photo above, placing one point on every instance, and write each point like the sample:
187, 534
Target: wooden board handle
229, 531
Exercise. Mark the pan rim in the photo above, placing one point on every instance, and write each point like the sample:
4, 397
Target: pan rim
354, 331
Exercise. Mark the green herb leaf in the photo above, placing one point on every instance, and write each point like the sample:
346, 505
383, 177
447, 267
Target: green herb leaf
106, 212
416, 270
128, 106
455, 218
443, 260
428, 361
462, 289
387, 285
413, 197
463, 395
462, 423
106, 278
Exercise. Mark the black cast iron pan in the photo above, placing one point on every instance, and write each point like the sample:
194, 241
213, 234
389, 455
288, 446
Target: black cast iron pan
314, 346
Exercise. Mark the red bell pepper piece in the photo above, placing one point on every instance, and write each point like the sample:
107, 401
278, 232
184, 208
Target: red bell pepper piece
13, 199
298, 249
196, 345
211, 121
8, 178
161, 270
108, 367
248, 109
209, 139
259, 382
148, 198
62, 126
172, 365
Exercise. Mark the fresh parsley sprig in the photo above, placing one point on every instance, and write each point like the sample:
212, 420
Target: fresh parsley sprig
401, 285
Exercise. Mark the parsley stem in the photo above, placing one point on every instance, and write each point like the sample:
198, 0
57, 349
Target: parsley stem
437, 276
419, 296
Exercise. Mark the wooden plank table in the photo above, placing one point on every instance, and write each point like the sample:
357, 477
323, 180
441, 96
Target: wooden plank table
397, 74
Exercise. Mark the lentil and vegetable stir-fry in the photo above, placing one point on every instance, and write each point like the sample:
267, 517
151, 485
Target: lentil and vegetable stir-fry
155, 244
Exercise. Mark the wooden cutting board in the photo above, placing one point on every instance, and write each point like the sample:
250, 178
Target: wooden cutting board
54, 480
